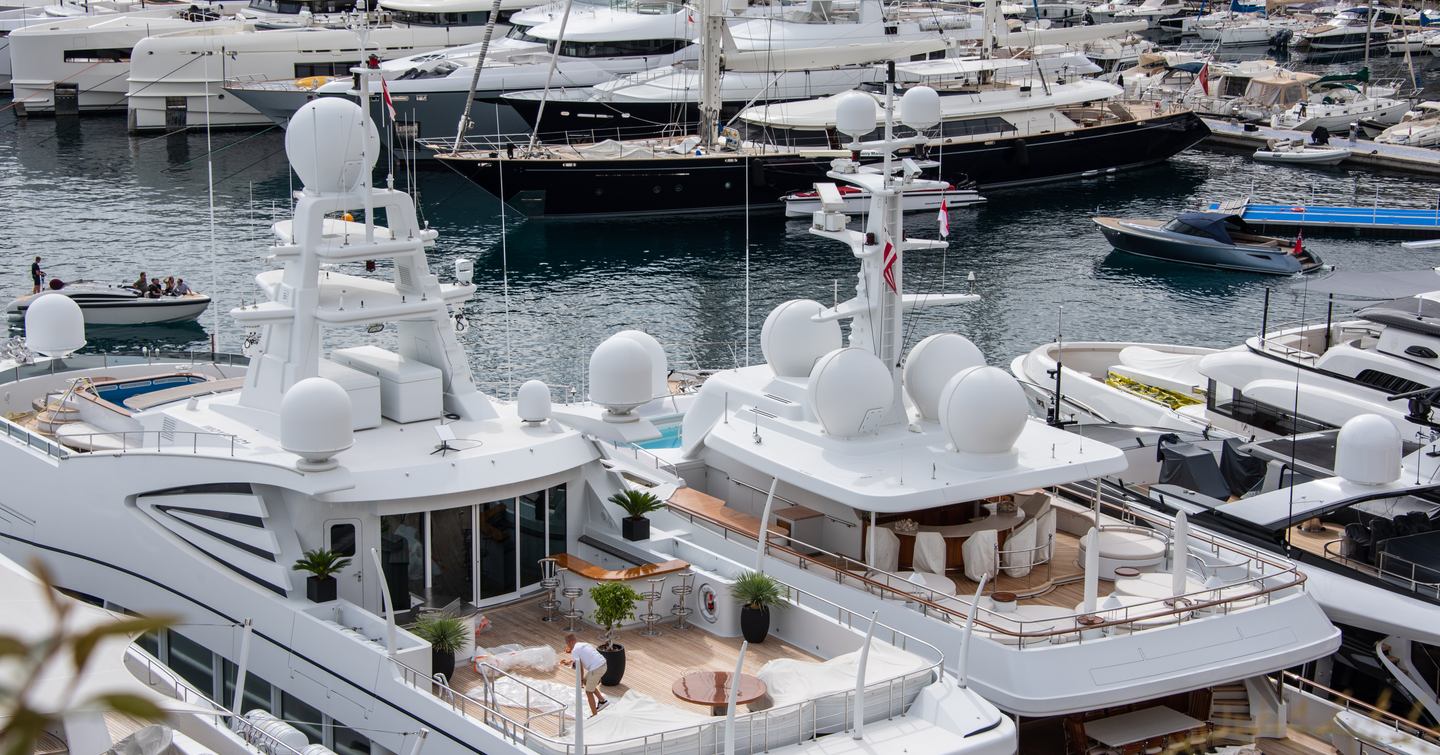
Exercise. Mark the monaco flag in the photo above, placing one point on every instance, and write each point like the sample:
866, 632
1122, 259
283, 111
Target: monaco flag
385, 95
944, 218
888, 270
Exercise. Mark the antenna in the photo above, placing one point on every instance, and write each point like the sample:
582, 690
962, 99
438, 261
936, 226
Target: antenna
1055, 420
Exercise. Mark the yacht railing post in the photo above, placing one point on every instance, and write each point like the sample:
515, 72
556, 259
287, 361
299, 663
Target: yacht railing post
242, 665
859, 732
730, 702
763, 536
962, 662
579, 711
386, 602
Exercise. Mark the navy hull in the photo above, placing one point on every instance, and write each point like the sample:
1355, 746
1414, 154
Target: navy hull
1145, 238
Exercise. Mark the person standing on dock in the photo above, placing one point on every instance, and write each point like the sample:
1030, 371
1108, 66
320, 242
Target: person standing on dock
1354, 132
36, 276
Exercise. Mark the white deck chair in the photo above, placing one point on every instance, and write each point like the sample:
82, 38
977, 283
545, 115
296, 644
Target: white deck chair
1019, 554
929, 553
979, 554
1045, 535
887, 549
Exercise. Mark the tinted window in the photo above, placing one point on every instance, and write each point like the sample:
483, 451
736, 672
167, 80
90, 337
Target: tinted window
342, 539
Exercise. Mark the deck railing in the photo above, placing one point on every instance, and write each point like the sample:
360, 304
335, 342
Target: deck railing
1381, 715
1268, 576
1391, 568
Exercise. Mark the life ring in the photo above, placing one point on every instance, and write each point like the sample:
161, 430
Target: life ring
708, 603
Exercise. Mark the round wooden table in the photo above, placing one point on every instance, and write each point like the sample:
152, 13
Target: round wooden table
712, 688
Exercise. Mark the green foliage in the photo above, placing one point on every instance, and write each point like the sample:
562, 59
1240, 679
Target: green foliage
444, 633
637, 503
756, 590
29, 661
321, 563
614, 605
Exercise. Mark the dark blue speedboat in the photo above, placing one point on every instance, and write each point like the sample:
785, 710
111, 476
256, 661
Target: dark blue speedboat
1208, 239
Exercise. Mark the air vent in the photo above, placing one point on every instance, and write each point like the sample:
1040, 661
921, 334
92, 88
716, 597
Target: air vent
167, 429
404, 275
229, 527
1423, 352
763, 413
778, 399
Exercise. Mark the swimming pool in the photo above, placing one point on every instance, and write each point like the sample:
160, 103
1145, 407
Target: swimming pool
669, 437
117, 392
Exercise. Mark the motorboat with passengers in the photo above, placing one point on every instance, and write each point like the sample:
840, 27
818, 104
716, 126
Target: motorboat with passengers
190, 486
105, 304
1208, 239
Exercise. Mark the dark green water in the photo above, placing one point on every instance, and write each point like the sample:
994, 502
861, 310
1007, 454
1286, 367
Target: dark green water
96, 203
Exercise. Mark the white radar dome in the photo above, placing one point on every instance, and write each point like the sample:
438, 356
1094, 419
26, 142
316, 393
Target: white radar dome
315, 422
1368, 450
532, 402
920, 108
620, 376
792, 342
54, 325
659, 365
855, 114
983, 410
932, 363
850, 392
329, 145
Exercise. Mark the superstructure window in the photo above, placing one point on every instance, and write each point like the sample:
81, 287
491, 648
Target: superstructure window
1230, 402
621, 48
99, 55
521, 32
303, 70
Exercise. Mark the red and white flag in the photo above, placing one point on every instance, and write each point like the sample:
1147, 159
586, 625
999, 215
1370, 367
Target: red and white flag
944, 218
1299, 243
385, 95
888, 258
1204, 77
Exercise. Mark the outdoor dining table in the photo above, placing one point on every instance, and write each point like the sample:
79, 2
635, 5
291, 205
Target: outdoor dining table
1140, 725
712, 688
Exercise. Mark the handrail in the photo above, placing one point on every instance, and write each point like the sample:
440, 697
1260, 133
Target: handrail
34, 440
1414, 584
1379, 714
1179, 608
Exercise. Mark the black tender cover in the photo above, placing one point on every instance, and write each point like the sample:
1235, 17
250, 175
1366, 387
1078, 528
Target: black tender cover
1242, 471
1192, 468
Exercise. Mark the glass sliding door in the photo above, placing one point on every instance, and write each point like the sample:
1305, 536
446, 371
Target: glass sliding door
555, 520
452, 563
498, 552
402, 551
532, 537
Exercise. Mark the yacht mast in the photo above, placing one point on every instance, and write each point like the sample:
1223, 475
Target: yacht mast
711, 38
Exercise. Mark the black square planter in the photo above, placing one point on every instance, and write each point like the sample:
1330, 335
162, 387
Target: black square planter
320, 589
635, 528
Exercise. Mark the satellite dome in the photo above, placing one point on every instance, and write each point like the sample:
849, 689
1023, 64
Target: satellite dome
792, 342
855, 114
620, 376
983, 410
330, 146
920, 108
1368, 450
659, 369
54, 325
932, 363
850, 392
533, 401
315, 422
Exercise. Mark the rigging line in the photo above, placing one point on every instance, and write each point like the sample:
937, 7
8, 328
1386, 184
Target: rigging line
747, 259
210, 190
475, 77
207, 155
549, 77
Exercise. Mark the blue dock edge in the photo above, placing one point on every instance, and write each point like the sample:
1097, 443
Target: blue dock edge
1363, 153
1388, 221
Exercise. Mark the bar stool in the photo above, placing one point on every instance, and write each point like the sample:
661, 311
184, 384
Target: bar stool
681, 592
550, 582
573, 615
656, 592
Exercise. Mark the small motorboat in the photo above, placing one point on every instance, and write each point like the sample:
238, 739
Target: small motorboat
1292, 151
800, 204
1208, 239
104, 304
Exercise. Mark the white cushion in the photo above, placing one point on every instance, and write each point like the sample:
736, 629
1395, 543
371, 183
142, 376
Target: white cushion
1127, 545
886, 549
979, 554
1018, 554
929, 553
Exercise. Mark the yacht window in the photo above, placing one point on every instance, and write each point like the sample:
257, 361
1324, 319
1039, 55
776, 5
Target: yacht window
342, 539
102, 55
348, 741
336, 68
452, 568
402, 550
440, 19
532, 536
1179, 226
620, 48
258, 692
497, 548
303, 717
192, 662
1388, 383
556, 520
1230, 402
976, 126
520, 32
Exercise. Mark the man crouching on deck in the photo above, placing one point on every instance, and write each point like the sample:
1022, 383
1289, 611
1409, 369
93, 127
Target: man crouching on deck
592, 665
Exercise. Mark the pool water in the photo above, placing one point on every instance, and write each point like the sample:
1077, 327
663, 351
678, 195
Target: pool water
669, 438
117, 393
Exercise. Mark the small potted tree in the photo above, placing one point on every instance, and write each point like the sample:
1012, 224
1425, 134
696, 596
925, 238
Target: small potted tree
323, 565
756, 592
447, 636
636, 503
614, 605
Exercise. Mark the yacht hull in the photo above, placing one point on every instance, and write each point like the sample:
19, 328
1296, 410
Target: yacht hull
715, 183
1140, 240
109, 310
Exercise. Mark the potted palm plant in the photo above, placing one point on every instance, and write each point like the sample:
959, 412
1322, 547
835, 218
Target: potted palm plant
447, 636
756, 592
614, 605
322, 565
636, 503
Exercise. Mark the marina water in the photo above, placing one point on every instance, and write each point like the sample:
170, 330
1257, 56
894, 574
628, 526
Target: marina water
98, 204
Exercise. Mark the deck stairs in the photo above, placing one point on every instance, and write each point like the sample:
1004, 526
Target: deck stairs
1230, 713
53, 411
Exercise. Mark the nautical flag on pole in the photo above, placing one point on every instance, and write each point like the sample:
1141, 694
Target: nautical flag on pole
385, 95
944, 218
888, 259
1204, 76
1299, 243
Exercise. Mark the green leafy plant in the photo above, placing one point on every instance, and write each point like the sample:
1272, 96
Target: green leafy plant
321, 563
446, 634
614, 605
31, 660
756, 590
637, 503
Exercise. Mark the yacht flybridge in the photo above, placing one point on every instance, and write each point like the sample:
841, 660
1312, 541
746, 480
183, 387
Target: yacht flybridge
190, 487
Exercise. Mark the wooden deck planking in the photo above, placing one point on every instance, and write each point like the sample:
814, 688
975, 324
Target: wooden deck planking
652, 664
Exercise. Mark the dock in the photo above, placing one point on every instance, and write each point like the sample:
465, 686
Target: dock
1374, 220
1364, 153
